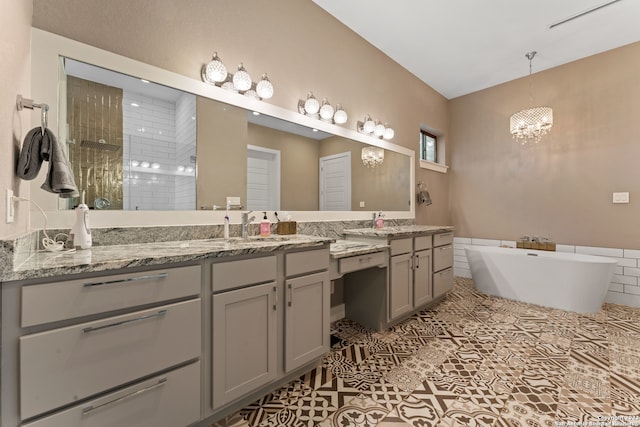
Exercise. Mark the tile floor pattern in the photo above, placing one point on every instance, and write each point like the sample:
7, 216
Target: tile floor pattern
471, 360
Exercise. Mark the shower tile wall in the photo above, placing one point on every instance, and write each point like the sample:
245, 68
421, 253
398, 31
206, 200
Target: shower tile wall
155, 132
185, 195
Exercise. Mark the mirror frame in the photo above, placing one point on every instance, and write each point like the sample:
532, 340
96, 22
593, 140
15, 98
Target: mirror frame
47, 48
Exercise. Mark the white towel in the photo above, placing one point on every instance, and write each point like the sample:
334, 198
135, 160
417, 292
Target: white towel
38, 148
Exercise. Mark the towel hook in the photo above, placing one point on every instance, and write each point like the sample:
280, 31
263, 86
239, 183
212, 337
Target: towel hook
28, 103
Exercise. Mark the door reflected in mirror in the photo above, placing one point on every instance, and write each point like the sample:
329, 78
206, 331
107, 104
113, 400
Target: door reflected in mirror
137, 145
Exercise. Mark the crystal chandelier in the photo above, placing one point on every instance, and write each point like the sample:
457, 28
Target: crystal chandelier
532, 124
372, 156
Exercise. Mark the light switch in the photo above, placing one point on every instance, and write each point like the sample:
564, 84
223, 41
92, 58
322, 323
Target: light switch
621, 197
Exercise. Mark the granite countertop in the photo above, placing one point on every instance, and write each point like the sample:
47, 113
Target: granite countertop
347, 248
400, 231
114, 257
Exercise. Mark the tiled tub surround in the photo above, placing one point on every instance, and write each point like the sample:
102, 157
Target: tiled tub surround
15, 252
470, 360
623, 289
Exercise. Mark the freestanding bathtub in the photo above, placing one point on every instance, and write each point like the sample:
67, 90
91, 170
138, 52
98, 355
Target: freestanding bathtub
567, 281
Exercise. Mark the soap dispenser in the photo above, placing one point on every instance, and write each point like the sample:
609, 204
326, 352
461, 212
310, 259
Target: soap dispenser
265, 226
81, 231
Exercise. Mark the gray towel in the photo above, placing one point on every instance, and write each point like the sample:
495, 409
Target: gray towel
38, 148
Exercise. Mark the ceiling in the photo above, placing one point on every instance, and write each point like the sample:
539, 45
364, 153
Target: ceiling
462, 46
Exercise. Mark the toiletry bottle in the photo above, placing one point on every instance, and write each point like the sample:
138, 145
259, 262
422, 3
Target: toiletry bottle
81, 231
380, 221
265, 226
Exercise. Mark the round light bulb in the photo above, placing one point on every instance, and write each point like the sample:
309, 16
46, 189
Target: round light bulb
311, 105
155, 165
189, 169
326, 111
241, 79
264, 88
389, 133
180, 168
251, 94
379, 129
368, 126
229, 86
340, 116
215, 71
145, 164
135, 163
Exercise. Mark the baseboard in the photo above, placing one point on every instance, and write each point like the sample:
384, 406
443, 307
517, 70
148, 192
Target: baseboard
337, 312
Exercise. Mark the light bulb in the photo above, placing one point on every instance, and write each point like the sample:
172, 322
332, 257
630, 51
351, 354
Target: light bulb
311, 105
145, 164
368, 126
155, 165
340, 116
251, 94
264, 88
215, 71
379, 129
241, 79
229, 86
389, 133
180, 168
326, 111
135, 163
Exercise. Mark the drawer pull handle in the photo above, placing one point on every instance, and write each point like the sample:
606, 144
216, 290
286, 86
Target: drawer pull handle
290, 295
130, 279
89, 409
275, 299
367, 259
124, 322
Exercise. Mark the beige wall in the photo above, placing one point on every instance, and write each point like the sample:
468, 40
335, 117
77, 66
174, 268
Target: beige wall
297, 48
561, 188
15, 77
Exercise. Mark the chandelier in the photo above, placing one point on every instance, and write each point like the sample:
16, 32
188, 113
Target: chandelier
532, 124
372, 156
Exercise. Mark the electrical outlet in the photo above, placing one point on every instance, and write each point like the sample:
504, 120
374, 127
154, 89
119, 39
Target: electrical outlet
10, 206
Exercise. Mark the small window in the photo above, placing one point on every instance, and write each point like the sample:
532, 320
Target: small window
428, 146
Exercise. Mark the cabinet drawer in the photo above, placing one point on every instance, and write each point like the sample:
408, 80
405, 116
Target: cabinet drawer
401, 246
442, 239
306, 262
442, 282
442, 257
421, 243
361, 262
60, 366
55, 301
168, 400
234, 274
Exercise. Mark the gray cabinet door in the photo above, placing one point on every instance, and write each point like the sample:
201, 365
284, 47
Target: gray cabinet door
306, 319
400, 285
244, 341
422, 278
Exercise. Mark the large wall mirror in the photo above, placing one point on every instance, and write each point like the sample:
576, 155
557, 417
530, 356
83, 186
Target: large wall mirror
144, 139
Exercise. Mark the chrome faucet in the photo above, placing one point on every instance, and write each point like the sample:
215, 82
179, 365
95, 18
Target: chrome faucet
245, 222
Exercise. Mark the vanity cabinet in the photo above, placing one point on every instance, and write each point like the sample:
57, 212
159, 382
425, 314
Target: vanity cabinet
442, 263
244, 327
94, 350
308, 305
267, 321
410, 275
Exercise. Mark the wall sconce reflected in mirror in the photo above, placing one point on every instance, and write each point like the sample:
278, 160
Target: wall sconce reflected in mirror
323, 111
375, 129
372, 156
215, 73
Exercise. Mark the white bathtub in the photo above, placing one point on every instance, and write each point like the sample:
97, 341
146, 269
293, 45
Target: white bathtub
567, 281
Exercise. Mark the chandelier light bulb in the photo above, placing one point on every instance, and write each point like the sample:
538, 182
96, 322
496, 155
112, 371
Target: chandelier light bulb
326, 110
264, 88
215, 71
340, 116
241, 79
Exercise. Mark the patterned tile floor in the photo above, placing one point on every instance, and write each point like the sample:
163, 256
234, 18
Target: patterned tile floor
471, 360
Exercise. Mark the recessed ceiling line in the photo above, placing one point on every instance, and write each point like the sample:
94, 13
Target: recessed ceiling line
581, 14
